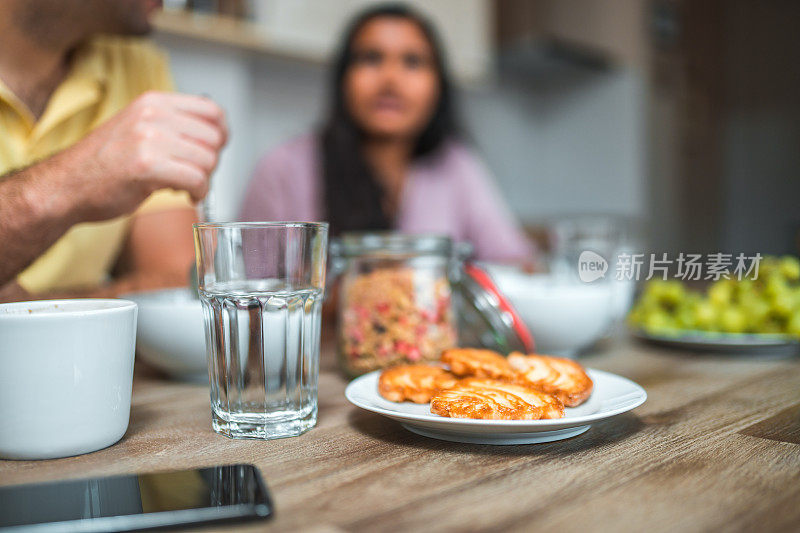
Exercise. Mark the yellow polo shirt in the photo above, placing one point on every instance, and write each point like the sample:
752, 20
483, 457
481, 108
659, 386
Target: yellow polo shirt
106, 75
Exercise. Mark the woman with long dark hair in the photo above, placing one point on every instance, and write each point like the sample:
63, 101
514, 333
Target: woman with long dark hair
389, 155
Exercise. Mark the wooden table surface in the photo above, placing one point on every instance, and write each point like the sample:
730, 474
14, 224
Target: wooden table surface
715, 447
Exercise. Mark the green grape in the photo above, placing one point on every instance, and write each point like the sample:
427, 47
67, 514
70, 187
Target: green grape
658, 322
782, 305
635, 316
789, 267
653, 289
685, 318
793, 326
744, 290
672, 293
649, 297
733, 320
756, 311
775, 285
705, 315
643, 308
721, 292
692, 298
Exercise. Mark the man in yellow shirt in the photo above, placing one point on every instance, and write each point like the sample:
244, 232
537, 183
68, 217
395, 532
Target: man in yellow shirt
98, 171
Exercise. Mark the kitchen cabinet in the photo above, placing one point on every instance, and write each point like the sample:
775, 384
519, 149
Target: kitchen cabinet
309, 30
612, 31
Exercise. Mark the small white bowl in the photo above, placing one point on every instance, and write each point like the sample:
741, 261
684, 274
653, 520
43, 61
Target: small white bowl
564, 316
66, 371
171, 333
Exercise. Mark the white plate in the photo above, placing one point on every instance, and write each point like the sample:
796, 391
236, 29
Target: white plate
729, 343
612, 395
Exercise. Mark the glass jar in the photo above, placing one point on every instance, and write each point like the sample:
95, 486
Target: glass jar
395, 300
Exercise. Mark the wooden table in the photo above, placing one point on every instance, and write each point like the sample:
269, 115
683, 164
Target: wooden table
716, 447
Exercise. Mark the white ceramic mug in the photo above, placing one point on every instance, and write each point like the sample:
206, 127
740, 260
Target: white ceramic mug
66, 371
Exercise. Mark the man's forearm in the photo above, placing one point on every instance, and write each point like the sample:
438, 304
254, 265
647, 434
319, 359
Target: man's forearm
159, 141
34, 213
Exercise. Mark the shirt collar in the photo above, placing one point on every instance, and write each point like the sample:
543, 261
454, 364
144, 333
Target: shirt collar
83, 85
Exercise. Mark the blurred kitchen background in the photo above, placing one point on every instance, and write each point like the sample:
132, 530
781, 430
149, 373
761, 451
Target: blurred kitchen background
679, 118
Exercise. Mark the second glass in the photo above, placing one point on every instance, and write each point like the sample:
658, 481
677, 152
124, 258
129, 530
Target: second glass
261, 285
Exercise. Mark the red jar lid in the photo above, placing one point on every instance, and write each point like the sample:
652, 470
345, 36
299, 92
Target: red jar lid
505, 331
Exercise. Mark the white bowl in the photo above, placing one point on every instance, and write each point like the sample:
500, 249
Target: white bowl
171, 334
564, 316
66, 371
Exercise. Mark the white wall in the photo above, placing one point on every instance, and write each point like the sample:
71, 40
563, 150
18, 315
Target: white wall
226, 75
576, 146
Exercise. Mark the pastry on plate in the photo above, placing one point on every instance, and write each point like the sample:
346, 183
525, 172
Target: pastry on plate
473, 362
495, 400
555, 375
416, 383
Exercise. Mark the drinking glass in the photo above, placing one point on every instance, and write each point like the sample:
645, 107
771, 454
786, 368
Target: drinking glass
261, 286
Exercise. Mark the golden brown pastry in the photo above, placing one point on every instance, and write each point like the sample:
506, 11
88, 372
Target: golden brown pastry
555, 375
472, 362
495, 400
417, 383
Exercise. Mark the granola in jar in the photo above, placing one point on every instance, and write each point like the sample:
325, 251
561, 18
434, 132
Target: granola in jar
394, 315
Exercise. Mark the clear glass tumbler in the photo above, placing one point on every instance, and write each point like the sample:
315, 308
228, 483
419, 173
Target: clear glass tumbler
261, 285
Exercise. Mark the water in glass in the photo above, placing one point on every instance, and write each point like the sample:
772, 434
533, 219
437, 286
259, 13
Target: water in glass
263, 350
